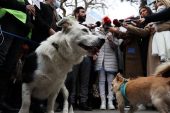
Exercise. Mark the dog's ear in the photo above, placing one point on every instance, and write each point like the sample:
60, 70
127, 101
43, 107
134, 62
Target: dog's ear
62, 21
119, 74
65, 23
119, 77
55, 45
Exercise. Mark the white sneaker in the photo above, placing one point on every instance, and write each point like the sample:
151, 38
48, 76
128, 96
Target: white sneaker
111, 106
127, 108
141, 107
103, 106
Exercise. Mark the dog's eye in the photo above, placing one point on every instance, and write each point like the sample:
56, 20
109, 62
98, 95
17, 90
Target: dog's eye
85, 30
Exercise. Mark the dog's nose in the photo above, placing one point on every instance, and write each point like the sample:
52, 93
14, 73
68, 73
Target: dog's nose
102, 40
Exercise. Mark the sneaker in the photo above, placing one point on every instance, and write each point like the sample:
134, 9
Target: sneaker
111, 107
127, 108
4, 106
103, 106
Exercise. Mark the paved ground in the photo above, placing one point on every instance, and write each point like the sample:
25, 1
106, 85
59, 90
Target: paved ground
111, 111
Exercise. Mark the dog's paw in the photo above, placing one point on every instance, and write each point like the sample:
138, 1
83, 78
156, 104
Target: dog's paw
71, 109
23, 111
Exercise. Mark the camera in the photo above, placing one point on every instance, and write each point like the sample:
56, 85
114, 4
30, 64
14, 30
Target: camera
131, 20
92, 26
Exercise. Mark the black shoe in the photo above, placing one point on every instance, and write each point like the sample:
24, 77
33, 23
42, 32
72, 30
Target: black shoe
84, 106
37, 108
75, 106
7, 108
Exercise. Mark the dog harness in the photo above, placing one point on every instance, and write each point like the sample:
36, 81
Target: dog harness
123, 90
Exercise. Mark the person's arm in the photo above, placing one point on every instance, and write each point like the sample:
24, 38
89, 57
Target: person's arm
141, 32
161, 16
41, 23
51, 31
162, 26
17, 6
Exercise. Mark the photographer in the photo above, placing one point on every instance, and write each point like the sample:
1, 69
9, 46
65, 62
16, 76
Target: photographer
136, 46
131, 51
146, 33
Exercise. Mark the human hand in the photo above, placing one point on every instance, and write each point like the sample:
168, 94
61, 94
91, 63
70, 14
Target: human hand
31, 9
113, 29
141, 20
94, 57
109, 36
51, 31
152, 28
125, 25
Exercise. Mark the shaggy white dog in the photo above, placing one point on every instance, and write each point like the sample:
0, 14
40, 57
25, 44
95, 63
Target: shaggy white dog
46, 69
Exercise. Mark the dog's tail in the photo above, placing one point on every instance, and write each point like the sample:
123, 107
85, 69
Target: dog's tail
162, 68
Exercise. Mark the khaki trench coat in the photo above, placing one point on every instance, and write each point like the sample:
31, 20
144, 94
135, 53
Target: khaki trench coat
152, 61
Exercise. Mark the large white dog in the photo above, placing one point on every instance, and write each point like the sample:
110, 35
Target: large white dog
46, 69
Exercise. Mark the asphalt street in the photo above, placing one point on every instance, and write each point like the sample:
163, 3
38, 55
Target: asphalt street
112, 111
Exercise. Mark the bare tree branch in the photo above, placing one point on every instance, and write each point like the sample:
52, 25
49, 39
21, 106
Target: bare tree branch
86, 3
62, 7
143, 2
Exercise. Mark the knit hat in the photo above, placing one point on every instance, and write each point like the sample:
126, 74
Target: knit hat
106, 20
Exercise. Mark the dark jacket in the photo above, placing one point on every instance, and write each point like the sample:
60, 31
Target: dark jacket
13, 4
43, 22
161, 16
11, 24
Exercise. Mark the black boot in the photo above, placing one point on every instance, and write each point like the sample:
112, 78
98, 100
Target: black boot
7, 108
84, 106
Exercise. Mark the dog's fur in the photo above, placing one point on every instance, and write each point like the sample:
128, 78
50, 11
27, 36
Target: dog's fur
46, 69
163, 69
151, 89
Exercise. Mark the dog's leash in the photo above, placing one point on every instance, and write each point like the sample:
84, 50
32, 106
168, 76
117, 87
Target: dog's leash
16, 36
122, 89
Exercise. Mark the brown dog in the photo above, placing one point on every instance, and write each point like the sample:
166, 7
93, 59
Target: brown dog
152, 89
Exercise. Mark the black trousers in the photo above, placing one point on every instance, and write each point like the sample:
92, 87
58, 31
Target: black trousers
78, 81
10, 47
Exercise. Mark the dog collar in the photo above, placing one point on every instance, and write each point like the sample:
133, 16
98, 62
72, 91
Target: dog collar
55, 45
123, 90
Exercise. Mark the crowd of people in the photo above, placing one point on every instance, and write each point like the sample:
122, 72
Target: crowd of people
134, 49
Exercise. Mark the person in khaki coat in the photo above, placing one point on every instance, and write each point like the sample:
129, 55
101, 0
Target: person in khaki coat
147, 32
134, 48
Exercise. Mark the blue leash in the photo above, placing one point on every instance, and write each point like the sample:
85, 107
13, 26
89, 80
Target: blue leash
18, 37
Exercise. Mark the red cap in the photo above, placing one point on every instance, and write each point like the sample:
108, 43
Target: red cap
106, 19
